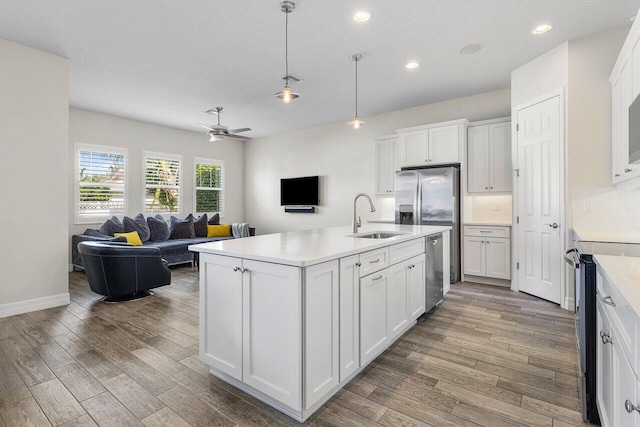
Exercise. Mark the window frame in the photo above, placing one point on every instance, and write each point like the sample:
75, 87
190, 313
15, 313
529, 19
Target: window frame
81, 146
212, 162
162, 156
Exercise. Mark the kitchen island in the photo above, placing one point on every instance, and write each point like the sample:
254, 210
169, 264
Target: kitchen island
290, 318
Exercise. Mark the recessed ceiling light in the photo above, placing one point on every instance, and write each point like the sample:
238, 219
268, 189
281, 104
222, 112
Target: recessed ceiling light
412, 65
541, 29
471, 48
361, 16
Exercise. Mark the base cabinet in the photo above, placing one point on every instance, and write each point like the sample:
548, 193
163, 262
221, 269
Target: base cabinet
487, 252
373, 315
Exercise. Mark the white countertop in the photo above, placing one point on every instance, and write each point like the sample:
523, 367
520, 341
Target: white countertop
604, 235
489, 223
309, 247
624, 273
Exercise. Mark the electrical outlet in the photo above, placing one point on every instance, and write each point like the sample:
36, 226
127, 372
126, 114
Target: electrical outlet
587, 206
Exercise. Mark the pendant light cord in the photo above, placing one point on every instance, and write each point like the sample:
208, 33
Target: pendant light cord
357, 87
286, 47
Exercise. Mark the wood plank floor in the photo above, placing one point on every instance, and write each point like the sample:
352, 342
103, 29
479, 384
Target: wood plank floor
487, 356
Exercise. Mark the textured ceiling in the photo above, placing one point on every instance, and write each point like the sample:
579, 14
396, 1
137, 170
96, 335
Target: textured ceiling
167, 61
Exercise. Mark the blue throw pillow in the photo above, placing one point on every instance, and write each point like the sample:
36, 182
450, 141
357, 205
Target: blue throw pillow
111, 226
139, 224
159, 228
182, 228
200, 226
214, 220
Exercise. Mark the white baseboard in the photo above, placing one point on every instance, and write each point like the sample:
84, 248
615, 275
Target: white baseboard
13, 308
569, 304
446, 288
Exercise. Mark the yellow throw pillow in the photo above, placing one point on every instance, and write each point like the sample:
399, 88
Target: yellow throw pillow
223, 230
132, 237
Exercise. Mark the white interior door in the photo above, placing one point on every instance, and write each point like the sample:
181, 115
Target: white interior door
539, 238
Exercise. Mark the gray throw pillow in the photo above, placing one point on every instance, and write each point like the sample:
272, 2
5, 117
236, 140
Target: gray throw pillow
200, 226
139, 224
159, 228
215, 219
111, 226
182, 228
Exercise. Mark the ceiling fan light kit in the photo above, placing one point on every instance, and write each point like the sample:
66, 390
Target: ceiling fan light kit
286, 95
219, 132
356, 122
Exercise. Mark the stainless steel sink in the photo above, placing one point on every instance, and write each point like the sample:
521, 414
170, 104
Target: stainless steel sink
377, 235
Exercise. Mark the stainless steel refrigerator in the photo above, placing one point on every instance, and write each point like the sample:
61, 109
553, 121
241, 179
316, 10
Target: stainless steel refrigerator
431, 196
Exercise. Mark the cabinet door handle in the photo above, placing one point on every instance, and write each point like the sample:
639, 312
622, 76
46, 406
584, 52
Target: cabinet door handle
607, 300
358, 264
487, 242
630, 407
236, 268
244, 270
486, 188
491, 188
374, 261
434, 242
627, 170
617, 175
606, 338
377, 278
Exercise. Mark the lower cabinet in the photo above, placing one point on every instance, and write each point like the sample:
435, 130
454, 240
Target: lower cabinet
373, 315
487, 252
349, 316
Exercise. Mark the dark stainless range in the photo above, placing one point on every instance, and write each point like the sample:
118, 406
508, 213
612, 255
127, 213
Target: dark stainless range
581, 258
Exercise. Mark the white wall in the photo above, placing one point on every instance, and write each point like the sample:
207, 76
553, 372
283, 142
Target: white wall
344, 159
102, 129
34, 101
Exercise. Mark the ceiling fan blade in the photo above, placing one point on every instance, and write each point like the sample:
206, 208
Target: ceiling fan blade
239, 130
239, 137
214, 112
206, 127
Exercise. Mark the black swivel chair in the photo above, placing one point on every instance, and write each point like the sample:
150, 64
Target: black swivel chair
123, 272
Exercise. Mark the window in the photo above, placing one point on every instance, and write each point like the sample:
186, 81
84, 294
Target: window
162, 183
209, 186
100, 183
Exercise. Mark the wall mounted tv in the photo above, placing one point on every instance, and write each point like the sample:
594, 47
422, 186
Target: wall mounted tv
299, 191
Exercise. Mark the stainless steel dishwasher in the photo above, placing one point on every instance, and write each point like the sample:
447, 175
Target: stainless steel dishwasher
434, 271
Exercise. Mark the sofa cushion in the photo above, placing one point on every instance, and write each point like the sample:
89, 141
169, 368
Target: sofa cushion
111, 226
200, 225
96, 233
182, 228
138, 224
214, 220
158, 228
132, 237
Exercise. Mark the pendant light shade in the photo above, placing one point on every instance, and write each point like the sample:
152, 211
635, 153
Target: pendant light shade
286, 95
356, 122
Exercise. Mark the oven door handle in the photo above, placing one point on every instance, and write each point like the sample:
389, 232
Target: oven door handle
572, 260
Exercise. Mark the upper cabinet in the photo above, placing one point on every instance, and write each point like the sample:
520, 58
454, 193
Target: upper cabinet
489, 157
625, 87
387, 157
438, 143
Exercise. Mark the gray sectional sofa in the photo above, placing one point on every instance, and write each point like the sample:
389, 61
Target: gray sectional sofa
174, 249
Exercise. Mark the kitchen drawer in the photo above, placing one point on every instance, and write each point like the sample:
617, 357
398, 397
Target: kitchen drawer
622, 316
406, 250
482, 231
373, 261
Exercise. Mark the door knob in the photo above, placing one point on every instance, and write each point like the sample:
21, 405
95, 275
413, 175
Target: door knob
606, 338
554, 225
630, 407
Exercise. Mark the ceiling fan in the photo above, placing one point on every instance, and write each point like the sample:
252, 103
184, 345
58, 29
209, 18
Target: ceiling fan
219, 132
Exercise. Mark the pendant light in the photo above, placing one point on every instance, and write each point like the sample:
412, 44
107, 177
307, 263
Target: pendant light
286, 95
356, 123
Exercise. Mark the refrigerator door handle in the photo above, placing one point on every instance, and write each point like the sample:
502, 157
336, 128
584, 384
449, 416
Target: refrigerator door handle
417, 220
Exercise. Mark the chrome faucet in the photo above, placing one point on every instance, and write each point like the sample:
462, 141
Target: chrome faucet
356, 219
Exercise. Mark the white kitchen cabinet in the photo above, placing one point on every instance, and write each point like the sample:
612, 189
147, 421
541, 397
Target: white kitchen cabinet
487, 252
437, 143
398, 299
624, 387
272, 336
349, 316
417, 289
604, 370
443, 144
625, 87
489, 158
221, 304
373, 315
387, 160
321, 348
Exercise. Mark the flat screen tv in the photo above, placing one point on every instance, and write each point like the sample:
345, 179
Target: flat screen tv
299, 191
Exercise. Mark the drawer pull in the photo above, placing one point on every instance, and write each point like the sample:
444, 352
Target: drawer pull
630, 407
358, 264
485, 231
374, 261
377, 278
607, 300
606, 338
